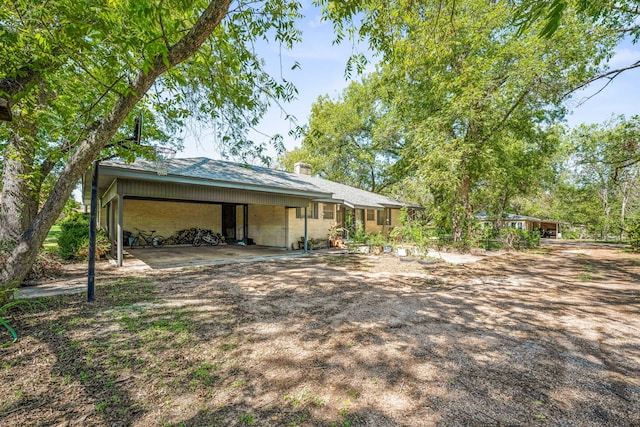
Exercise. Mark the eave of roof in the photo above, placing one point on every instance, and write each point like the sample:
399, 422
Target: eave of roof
208, 172
136, 172
150, 176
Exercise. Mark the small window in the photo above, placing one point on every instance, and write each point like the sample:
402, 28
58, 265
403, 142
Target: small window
384, 217
371, 215
328, 211
312, 211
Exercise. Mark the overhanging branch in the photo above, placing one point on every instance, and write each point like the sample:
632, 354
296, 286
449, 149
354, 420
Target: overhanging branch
610, 75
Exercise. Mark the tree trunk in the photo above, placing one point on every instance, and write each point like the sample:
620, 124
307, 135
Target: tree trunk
19, 194
29, 240
461, 209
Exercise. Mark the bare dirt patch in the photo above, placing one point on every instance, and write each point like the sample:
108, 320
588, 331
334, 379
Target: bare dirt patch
549, 338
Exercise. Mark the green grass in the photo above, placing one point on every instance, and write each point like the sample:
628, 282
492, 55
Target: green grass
51, 242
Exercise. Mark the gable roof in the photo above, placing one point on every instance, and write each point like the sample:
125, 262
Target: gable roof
205, 171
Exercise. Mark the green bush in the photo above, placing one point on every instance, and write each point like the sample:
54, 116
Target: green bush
73, 240
74, 235
633, 231
518, 239
377, 239
571, 235
103, 245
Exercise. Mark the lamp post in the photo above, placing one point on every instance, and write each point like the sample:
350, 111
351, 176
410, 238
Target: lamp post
137, 132
92, 231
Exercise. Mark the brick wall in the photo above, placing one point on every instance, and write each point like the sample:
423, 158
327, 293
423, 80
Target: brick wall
168, 217
267, 225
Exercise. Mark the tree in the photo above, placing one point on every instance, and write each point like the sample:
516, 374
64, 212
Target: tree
606, 162
77, 72
350, 139
475, 97
620, 17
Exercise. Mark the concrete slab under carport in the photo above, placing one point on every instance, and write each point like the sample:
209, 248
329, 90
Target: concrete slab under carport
185, 256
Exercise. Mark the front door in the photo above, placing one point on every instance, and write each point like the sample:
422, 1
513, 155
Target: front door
229, 222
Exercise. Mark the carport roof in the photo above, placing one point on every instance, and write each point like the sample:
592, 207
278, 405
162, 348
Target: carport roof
483, 216
222, 173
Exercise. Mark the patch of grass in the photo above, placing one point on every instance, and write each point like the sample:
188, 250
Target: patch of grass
247, 419
303, 398
342, 261
228, 346
540, 251
204, 373
51, 242
585, 277
237, 384
300, 419
353, 393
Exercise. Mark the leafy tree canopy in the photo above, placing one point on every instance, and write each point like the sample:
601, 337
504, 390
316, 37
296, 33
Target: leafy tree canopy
352, 139
77, 73
474, 95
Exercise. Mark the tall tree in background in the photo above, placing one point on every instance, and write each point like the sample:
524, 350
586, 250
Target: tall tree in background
619, 16
74, 72
475, 94
351, 140
597, 179
606, 162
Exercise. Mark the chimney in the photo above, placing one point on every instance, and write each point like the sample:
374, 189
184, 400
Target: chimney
302, 168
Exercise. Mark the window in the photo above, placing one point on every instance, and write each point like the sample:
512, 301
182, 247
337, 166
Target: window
327, 211
312, 211
371, 215
384, 216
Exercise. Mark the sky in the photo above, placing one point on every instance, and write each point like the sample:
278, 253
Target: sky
322, 72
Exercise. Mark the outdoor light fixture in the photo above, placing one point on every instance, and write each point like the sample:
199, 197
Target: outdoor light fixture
5, 111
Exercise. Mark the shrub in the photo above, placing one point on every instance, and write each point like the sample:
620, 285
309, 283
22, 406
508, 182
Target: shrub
530, 239
74, 232
571, 235
633, 231
103, 245
73, 241
374, 240
517, 239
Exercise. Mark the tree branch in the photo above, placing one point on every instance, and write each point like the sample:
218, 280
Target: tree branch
609, 75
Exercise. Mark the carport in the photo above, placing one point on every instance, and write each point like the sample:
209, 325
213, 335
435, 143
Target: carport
244, 203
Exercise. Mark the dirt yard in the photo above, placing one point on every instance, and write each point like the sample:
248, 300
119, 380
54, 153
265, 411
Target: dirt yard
545, 338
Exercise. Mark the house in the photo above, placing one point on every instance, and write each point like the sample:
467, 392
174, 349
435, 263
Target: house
546, 227
244, 203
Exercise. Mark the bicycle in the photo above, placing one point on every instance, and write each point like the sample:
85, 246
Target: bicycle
149, 239
207, 236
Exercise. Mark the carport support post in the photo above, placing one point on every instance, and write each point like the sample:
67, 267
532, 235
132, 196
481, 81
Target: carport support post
92, 232
120, 228
305, 230
245, 222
